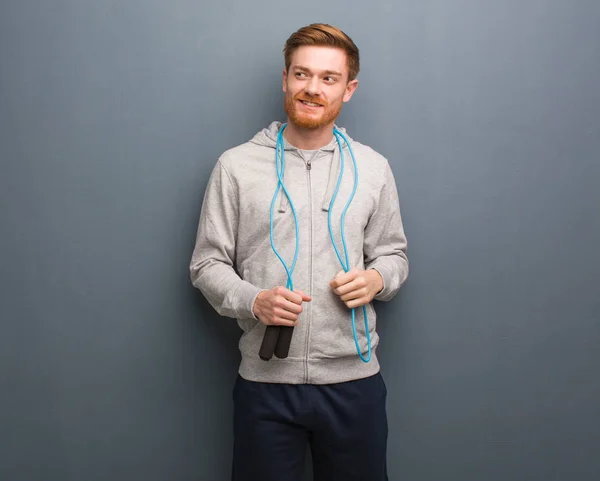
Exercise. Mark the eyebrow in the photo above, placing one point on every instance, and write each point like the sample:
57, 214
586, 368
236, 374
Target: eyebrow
326, 72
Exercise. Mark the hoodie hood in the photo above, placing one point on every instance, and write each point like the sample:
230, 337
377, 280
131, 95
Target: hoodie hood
267, 137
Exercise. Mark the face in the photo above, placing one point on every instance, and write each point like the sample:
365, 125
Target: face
316, 86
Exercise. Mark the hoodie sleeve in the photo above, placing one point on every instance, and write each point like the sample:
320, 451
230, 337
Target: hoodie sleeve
213, 258
385, 242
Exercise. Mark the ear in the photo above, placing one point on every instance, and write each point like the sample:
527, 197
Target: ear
284, 80
350, 89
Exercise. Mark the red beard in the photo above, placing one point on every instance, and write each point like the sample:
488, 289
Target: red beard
305, 119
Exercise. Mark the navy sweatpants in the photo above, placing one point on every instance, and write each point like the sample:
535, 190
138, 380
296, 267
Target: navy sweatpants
344, 424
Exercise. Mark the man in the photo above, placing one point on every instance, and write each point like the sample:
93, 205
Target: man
327, 393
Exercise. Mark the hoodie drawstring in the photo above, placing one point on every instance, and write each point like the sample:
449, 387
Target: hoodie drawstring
334, 170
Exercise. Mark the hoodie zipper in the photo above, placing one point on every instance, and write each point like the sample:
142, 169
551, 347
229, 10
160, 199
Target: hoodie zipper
310, 268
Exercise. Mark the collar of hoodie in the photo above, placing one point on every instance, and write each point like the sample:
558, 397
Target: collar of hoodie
268, 137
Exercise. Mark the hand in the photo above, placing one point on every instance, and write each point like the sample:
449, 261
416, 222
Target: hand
279, 306
357, 287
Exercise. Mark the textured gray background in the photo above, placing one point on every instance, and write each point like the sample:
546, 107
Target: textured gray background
112, 115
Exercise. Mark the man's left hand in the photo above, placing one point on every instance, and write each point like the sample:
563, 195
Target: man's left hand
357, 287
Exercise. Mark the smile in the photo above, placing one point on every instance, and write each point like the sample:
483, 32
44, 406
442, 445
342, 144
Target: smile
310, 104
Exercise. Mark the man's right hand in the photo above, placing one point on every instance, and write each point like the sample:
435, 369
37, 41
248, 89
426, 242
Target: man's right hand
279, 306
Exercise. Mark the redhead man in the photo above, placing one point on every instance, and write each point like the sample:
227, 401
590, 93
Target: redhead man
300, 231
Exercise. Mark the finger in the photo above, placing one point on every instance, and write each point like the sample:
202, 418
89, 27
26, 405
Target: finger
305, 297
277, 321
289, 295
288, 306
353, 304
334, 282
356, 294
284, 314
343, 278
353, 285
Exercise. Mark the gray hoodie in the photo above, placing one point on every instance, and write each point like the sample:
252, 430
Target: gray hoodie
233, 260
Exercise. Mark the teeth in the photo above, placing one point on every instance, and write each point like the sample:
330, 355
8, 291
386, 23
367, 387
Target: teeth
310, 104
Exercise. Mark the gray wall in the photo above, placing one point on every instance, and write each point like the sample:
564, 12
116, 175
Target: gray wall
112, 115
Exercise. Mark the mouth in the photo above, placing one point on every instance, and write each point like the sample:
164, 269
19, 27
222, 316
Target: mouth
311, 105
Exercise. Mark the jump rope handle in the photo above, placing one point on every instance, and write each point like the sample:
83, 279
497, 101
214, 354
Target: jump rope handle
276, 340
270, 338
282, 347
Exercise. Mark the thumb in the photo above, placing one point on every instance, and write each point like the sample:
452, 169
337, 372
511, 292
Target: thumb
305, 297
334, 282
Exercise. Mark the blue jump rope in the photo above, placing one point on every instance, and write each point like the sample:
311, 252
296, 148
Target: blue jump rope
280, 167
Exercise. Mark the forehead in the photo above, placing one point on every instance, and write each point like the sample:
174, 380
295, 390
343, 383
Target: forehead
320, 58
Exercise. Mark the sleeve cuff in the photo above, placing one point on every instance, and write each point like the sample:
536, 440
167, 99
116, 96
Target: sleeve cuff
386, 276
247, 294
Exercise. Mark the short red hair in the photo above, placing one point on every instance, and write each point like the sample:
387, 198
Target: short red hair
323, 35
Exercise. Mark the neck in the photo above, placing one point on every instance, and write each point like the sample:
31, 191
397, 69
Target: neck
308, 139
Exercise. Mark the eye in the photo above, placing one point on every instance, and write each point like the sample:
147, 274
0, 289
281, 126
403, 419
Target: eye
300, 74
330, 79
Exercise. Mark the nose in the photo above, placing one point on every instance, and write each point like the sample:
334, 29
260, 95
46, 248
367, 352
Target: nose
313, 87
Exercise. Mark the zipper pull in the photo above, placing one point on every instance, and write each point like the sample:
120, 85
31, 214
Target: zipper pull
308, 165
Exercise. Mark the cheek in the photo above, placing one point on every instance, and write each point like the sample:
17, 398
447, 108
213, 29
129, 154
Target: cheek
293, 90
336, 99
337, 95
290, 87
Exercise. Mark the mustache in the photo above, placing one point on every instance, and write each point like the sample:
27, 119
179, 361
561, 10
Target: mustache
308, 98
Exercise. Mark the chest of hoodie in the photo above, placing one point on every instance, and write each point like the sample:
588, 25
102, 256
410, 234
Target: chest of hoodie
265, 216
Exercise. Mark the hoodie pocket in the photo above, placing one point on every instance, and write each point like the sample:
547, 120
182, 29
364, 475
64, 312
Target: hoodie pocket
332, 335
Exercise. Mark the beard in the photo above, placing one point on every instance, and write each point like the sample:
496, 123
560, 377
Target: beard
306, 120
